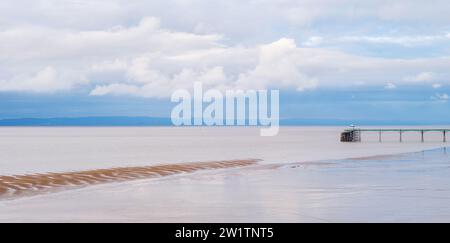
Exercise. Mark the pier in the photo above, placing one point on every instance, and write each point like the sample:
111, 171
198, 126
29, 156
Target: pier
354, 135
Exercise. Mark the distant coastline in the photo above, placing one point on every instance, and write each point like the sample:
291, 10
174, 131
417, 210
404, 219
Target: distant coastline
88, 121
161, 121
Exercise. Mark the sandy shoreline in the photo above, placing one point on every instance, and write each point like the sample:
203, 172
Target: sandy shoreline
33, 184
27, 185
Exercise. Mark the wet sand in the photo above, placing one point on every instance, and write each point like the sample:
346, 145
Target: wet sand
23, 185
411, 188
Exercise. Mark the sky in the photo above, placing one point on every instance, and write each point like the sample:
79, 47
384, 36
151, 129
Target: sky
331, 59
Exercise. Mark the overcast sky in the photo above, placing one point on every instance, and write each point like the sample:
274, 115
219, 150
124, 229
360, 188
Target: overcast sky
128, 50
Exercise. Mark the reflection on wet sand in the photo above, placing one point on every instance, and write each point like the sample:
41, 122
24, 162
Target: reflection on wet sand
22, 185
376, 157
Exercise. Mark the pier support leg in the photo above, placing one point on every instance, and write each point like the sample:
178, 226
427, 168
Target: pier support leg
379, 136
401, 136
445, 136
423, 138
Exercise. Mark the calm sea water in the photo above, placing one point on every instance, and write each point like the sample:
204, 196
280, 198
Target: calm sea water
59, 149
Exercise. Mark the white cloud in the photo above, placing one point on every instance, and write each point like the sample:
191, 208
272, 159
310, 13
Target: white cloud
150, 61
114, 47
279, 66
409, 41
390, 86
245, 19
274, 65
365, 40
31, 55
45, 80
314, 41
116, 89
441, 97
421, 77
436, 86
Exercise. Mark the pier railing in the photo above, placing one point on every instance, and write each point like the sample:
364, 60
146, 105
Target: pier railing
354, 135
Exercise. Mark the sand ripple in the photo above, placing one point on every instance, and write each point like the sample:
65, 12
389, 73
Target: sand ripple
23, 185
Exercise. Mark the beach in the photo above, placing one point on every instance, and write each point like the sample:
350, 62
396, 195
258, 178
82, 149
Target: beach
305, 174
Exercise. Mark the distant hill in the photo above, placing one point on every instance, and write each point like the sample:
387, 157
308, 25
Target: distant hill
155, 121
88, 121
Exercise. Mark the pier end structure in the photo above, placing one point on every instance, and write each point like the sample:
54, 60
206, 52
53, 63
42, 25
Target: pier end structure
351, 136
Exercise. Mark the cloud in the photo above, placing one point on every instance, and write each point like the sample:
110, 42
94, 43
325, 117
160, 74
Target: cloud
148, 48
278, 66
273, 65
45, 80
146, 82
150, 61
441, 97
244, 19
408, 41
390, 86
38, 42
314, 41
31, 55
393, 39
116, 89
436, 86
421, 77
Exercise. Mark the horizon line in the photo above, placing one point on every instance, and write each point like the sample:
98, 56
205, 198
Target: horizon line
99, 121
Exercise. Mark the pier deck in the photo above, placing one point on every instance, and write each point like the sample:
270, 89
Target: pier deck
354, 134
